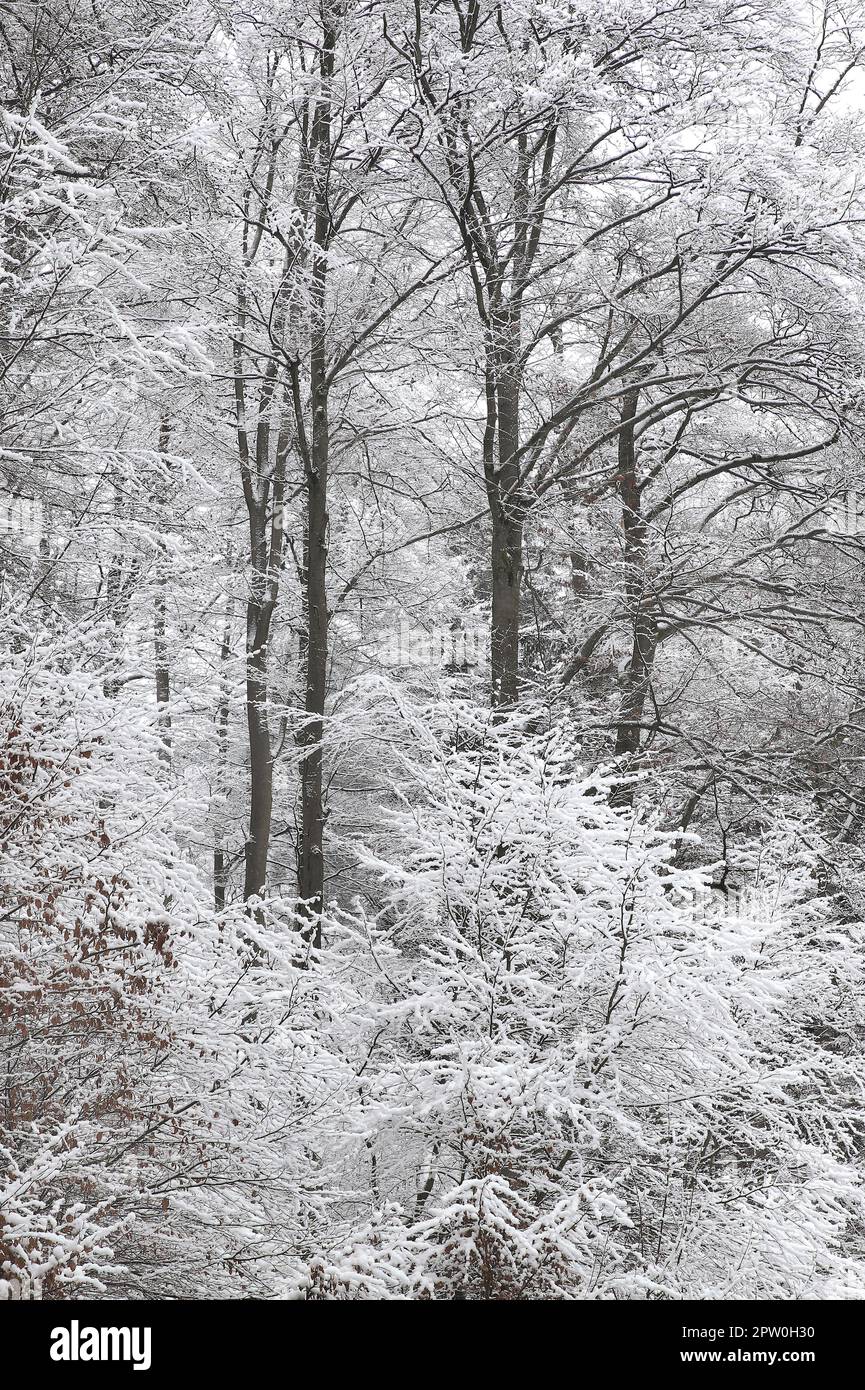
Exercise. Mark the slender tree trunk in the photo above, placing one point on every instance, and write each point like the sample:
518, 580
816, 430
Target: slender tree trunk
638, 674
311, 865
263, 475
220, 870
310, 885
638, 679
257, 722
261, 776
507, 513
506, 561
266, 569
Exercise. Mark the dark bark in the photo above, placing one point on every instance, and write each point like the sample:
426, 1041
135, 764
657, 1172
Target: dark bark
638, 674
260, 761
311, 858
310, 876
262, 471
501, 270
507, 511
506, 561
263, 492
220, 868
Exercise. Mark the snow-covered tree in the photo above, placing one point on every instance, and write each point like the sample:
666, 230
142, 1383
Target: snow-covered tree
431, 572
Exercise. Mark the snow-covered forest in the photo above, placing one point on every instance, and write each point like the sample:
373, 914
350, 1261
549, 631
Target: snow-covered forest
432, 573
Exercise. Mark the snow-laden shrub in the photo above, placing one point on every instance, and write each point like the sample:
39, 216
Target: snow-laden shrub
579, 1079
85, 952
548, 1067
164, 1072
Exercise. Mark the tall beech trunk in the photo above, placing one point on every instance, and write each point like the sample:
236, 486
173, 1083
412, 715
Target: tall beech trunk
260, 760
220, 868
310, 871
638, 674
507, 510
506, 563
311, 858
263, 486
501, 271
262, 469
505, 491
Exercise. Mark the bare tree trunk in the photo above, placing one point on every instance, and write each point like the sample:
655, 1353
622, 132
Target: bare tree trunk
310, 876
260, 760
220, 870
506, 561
263, 487
507, 512
638, 678
263, 475
638, 674
311, 861
266, 567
